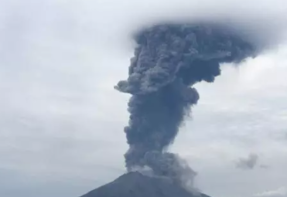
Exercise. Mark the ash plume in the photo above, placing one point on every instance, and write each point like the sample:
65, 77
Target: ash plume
168, 60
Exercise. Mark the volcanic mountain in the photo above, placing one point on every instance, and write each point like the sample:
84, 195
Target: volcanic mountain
135, 184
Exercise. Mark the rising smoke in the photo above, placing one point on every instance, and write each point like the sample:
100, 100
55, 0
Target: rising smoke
168, 60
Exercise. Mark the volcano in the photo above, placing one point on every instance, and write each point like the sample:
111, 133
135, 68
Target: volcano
135, 184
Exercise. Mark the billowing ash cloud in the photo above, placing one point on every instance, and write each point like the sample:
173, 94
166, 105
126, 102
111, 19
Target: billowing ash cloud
168, 60
247, 163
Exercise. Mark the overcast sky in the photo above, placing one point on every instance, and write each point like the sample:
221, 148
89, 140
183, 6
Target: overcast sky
61, 121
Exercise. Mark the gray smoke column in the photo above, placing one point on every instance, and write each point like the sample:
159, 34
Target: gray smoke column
168, 60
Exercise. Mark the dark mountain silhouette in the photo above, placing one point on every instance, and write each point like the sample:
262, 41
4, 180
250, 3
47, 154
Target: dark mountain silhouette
134, 184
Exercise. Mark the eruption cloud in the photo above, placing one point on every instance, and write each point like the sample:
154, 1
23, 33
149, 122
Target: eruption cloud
168, 60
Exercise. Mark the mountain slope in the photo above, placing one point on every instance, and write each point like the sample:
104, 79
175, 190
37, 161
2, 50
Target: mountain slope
134, 184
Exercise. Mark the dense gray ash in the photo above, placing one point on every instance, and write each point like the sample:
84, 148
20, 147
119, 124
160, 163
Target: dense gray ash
168, 60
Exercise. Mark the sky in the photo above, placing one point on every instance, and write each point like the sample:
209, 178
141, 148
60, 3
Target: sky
61, 121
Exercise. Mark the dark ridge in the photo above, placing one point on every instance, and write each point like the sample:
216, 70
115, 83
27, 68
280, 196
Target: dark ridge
134, 184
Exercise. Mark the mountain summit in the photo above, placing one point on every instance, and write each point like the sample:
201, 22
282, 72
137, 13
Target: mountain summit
134, 184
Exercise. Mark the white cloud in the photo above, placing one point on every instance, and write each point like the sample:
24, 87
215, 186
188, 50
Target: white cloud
280, 192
